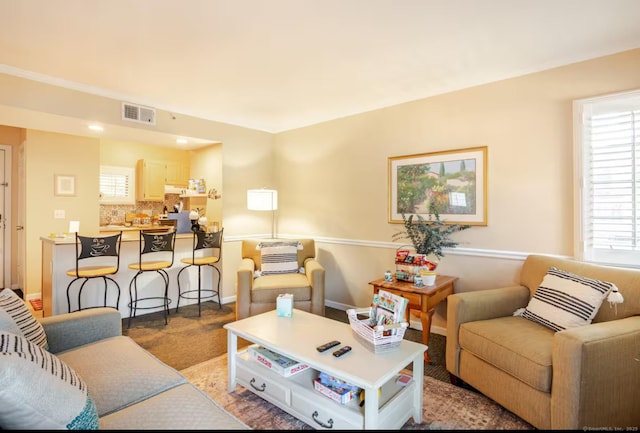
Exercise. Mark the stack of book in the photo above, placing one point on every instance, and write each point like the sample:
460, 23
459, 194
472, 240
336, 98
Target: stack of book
276, 362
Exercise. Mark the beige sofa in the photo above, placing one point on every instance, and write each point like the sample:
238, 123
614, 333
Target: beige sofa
581, 378
255, 295
131, 388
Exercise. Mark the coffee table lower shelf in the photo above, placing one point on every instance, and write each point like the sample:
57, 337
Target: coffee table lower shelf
296, 396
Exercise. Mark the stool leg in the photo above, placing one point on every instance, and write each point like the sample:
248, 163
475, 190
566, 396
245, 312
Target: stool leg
199, 285
133, 300
179, 290
218, 292
80, 293
165, 302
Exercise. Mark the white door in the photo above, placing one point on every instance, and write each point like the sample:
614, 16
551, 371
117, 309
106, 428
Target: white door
5, 216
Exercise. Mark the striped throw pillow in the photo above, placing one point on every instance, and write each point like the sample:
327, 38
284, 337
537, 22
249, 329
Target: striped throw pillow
38, 391
279, 257
565, 300
16, 317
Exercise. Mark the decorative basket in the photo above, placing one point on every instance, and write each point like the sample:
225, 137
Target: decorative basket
378, 339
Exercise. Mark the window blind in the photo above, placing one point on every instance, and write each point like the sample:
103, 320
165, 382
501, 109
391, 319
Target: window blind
117, 185
610, 213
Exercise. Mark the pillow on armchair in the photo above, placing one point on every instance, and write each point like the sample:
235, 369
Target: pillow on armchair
279, 257
565, 300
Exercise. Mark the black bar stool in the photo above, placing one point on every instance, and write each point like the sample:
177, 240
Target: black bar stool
208, 247
157, 248
96, 257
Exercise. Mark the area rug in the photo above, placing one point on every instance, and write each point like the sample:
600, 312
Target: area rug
445, 406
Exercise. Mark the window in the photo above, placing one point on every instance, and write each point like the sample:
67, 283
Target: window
117, 185
607, 160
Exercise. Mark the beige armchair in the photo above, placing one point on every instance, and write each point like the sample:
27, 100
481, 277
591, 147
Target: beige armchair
257, 295
586, 377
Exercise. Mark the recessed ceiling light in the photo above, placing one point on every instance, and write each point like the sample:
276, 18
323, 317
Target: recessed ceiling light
181, 141
96, 128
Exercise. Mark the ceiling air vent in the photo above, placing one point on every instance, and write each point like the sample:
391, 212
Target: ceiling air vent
138, 113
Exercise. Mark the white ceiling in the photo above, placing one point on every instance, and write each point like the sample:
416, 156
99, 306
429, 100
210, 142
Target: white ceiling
281, 64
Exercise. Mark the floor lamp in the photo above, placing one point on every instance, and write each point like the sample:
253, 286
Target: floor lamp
264, 199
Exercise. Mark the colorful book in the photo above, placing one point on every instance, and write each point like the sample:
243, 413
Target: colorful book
276, 362
387, 309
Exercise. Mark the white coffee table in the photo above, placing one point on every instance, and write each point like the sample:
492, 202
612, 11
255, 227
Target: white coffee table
297, 337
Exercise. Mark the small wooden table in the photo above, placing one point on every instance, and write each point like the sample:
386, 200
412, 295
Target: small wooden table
422, 299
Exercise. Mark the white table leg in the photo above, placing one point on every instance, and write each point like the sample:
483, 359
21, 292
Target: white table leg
232, 349
370, 408
418, 378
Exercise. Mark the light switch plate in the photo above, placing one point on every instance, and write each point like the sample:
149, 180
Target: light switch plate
58, 213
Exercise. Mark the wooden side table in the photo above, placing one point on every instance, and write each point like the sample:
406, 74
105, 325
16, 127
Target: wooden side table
422, 299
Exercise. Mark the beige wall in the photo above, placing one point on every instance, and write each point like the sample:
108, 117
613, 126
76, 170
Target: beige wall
125, 153
332, 177
48, 154
206, 163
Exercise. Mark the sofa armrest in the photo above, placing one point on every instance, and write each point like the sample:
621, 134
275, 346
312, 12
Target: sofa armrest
478, 305
596, 375
315, 274
244, 283
69, 330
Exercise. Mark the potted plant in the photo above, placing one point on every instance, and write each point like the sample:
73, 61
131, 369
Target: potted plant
429, 236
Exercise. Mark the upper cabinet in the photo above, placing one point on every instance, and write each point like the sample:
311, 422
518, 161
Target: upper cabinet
150, 176
177, 173
153, 175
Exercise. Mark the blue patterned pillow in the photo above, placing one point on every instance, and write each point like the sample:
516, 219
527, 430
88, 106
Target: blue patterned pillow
40, 392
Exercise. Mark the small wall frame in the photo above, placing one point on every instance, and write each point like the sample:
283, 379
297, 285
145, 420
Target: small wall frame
64, 185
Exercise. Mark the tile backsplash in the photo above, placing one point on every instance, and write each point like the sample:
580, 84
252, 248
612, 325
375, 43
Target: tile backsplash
114, 214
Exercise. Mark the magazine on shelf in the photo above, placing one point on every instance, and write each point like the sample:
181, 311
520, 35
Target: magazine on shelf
275, 361
387, 309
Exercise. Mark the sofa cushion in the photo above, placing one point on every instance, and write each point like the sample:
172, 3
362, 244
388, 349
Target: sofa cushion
565, 300
182, 408
119, 372
38, 391
279, 257
268, 287
15, 317
517, 346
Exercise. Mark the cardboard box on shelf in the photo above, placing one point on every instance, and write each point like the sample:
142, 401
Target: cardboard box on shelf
340, 395
276, 362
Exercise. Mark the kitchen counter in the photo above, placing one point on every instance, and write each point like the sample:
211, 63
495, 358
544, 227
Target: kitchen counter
59, 255
129, 235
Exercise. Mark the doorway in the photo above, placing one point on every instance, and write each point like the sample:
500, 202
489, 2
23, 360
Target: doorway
5, 215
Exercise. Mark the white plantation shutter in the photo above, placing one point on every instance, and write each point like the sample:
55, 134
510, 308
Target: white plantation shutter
117, 185
608, 150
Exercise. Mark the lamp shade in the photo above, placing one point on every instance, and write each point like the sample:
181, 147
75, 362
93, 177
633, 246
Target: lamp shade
262, 199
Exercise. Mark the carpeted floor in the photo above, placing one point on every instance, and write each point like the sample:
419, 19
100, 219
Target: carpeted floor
197, 346
445, 406
188, 339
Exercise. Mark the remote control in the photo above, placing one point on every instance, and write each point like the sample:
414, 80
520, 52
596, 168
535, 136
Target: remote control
338, 353
327, 346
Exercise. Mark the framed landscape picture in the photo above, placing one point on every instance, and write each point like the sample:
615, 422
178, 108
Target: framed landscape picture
454, 181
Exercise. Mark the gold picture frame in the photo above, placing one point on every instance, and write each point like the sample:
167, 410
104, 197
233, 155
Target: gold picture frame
456, 180
64, 185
